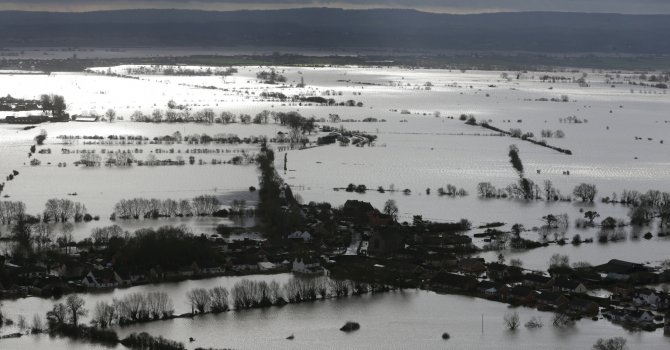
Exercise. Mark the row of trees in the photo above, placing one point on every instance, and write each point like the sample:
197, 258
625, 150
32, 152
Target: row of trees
134, 307
644, 206
276, 221
57, 210
512, 321
154, 208
527, 189
11, 211
452, 191
651, 198
62, 210
548, 133
90, 159
206, 115
270, 77
247, 294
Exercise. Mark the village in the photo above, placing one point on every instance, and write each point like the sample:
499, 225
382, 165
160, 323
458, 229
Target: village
426, 255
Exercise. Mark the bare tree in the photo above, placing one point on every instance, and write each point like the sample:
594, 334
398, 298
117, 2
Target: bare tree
66, 238
219, 299
42, 235
511, 320
103, 314
561, 320
200, 299
558, 261
110, 115
391, 209
37, 326
242, 294
586, 192
158, 305
75, 308
58, 314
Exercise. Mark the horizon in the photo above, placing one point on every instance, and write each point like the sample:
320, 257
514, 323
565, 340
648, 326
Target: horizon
334, 8
643, 7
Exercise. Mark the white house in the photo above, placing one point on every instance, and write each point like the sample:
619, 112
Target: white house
640, 316
566, 285
648, 297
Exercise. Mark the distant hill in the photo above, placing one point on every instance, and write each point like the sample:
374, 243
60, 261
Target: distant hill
545, 32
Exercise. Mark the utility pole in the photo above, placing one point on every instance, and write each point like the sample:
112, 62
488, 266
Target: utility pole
482, 323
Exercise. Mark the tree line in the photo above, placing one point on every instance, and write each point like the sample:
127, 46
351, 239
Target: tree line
133, 308
62, 210
137, 208
11, 211
248, 294
56, 210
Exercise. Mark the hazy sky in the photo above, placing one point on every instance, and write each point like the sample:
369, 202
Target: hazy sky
453, 6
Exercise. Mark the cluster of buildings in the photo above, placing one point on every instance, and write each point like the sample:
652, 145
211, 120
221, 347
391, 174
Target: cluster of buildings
614, 290
434, 256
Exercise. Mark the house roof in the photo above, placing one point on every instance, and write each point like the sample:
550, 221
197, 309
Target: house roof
638, 313
533, 277
620, 267
487, 285
494, 266
104, 276
567, 283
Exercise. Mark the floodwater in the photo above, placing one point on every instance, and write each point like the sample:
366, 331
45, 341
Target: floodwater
395, 320
617, 146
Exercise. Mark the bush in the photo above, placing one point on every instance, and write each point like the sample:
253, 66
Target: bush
617, 343
576, 239
608, 223
41, 137
145, 341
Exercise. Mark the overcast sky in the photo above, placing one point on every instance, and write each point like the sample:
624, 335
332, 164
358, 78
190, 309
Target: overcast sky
451, 6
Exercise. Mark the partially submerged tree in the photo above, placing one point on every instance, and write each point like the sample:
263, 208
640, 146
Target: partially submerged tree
525, 186
586, 192
75, 308
511, 320
617, 343
200, 299
591, 215
41, 137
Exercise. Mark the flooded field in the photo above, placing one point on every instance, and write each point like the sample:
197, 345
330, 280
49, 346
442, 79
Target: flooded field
617, 133
407, 317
